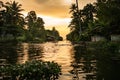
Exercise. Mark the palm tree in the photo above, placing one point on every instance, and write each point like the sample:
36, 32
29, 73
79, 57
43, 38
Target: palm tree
14, 20
89, 11
13, 13
109, 13
88, 15
80, 19
79, 16
75, 22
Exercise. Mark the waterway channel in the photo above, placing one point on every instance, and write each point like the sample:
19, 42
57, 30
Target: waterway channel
76, 64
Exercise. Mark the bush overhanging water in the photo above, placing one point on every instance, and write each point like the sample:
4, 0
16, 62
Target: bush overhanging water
32, 70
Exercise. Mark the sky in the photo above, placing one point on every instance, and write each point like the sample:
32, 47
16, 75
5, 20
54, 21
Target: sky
55, 13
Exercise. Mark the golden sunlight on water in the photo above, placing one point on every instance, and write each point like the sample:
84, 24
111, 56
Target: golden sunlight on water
61, 53
23, 54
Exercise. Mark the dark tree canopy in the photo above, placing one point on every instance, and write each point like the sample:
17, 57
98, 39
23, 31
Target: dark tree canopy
100, 18
15, 26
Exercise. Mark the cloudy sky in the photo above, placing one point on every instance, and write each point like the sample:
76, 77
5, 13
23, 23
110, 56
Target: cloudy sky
54, 12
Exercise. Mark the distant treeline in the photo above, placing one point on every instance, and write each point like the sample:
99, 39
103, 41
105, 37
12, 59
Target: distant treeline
15, 27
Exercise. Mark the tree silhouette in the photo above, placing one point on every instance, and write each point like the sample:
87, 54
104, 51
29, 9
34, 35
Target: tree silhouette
13, 13
35, 25
80, 21
13, 20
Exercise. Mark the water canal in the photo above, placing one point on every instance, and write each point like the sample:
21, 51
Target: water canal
76, 63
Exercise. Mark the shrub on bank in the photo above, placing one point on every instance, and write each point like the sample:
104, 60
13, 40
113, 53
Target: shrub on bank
33, 70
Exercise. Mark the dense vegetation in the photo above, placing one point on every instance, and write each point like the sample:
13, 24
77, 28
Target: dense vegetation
14, 26
32, 70
100, 18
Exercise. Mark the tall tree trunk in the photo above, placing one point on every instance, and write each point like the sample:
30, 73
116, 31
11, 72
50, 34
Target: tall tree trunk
78, 17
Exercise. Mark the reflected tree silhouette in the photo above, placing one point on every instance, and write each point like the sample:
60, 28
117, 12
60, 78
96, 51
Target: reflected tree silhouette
8, 51
34, 51
96, 63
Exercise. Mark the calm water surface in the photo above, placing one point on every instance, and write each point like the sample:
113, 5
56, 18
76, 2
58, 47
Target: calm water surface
77, 63
61, 52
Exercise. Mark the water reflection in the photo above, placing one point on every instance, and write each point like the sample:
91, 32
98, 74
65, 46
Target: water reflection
8, 52
83, 64
62, 53
78, 62
94, 64
28, 51
22, 50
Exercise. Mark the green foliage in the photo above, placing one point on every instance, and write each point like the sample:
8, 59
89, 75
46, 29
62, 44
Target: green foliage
53, 35
80, 21
108, 11
35, 28
101, 18
73, 36
12, 20
14, 27
32, 70
85, 37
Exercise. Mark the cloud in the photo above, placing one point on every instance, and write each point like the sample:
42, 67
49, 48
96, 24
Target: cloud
54, 8
50, 2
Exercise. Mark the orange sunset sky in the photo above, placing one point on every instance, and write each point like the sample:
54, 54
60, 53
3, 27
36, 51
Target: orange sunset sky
55, 13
